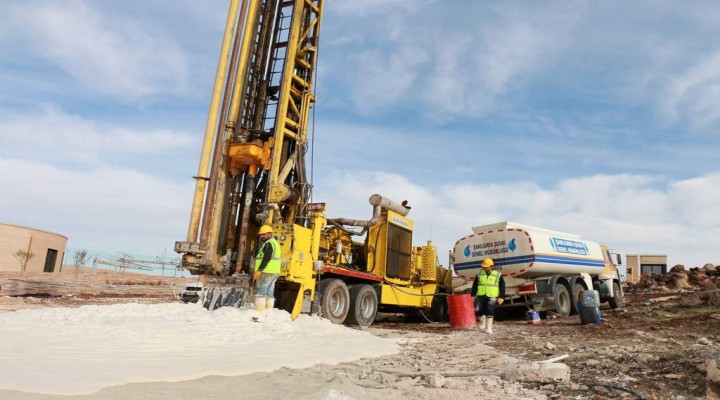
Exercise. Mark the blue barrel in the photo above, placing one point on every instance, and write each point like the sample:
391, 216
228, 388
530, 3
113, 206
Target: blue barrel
590, 298
589, 307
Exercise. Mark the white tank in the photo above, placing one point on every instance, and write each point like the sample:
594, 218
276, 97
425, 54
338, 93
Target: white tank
521, 251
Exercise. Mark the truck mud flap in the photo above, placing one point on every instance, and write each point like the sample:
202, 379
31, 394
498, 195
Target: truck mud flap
216, 297
286, 294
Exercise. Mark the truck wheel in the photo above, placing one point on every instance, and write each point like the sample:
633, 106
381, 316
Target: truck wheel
363, 306
616, 300
577, 288
562, 300
335, 300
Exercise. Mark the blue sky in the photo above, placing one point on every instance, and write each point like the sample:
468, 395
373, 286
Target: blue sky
597, 118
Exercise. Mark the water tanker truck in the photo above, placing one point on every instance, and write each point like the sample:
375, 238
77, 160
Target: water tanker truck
544, 270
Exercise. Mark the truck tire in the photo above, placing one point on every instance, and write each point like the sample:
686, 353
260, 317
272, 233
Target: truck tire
363, 306
562, 300
439, 308
616, 300
335, 300
577, 289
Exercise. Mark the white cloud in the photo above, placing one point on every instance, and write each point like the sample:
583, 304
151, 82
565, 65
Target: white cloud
696, 200
56, 136
693, 94
626, 212
113, 54
458, 69
102, 208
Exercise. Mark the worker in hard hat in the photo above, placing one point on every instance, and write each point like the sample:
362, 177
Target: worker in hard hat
489, 291
267, 269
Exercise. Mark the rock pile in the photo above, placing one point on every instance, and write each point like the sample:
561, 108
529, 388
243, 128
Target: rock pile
695, 279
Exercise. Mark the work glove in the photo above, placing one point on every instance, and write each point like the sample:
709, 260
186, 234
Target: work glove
257, 275
500, 300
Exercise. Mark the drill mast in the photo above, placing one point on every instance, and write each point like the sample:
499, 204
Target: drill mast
252, 167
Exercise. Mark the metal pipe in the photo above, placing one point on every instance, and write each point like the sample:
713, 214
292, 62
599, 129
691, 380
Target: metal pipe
247, 36
220, 77
212, 188
379, 203
384, 202
249, 186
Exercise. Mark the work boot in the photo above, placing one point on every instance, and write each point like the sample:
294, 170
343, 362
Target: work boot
259, 304
270, 303
481, 325
488, 329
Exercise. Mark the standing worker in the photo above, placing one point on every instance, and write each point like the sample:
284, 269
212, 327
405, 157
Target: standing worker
267, 269
489, 289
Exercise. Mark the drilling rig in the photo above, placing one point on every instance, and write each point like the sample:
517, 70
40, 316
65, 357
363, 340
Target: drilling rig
253, 171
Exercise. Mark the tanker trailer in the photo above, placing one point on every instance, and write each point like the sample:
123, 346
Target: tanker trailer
543, 269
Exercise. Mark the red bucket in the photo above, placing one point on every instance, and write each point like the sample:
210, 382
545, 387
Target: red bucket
462, 311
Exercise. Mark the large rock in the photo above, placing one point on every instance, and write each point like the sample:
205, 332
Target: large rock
680, 281
709, 267
697, 275
708, 298
677, 268
708, 284
538, 372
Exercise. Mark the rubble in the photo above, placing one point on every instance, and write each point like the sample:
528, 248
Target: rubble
679, 278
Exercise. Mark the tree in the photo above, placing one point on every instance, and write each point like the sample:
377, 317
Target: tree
23, 258
81, 258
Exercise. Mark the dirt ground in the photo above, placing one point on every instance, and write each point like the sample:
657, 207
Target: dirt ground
657, 347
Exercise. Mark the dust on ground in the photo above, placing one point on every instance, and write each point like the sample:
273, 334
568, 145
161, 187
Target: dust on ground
657, 347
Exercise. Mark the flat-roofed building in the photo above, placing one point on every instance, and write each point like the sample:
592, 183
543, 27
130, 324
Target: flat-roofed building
637, 265
48, 248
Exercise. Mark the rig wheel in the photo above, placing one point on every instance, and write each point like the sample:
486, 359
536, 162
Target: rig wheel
363, 306
335, 300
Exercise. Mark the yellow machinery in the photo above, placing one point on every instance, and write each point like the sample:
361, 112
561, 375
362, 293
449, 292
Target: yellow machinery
252, 172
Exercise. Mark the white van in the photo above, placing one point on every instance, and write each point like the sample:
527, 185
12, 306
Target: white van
191, 292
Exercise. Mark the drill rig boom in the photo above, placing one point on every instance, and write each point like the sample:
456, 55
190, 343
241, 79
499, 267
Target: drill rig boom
252, 168
252, 172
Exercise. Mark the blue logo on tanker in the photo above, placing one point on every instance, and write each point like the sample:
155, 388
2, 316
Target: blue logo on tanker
467, 251
512, 246
569, 246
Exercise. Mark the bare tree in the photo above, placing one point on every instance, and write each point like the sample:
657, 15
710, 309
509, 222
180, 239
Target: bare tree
23, 258
81, 258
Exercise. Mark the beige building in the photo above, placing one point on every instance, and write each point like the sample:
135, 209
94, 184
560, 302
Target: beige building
655, 264
47, 248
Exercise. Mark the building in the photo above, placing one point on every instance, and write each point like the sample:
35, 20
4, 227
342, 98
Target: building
48, 249
655, 264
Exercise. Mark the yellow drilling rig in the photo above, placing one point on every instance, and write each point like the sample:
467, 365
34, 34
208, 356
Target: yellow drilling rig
252, 172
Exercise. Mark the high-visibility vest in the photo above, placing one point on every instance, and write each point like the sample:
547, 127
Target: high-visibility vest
273, 266
488, 285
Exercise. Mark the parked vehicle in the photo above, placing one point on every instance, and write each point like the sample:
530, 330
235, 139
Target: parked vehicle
543, 269
191, 292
